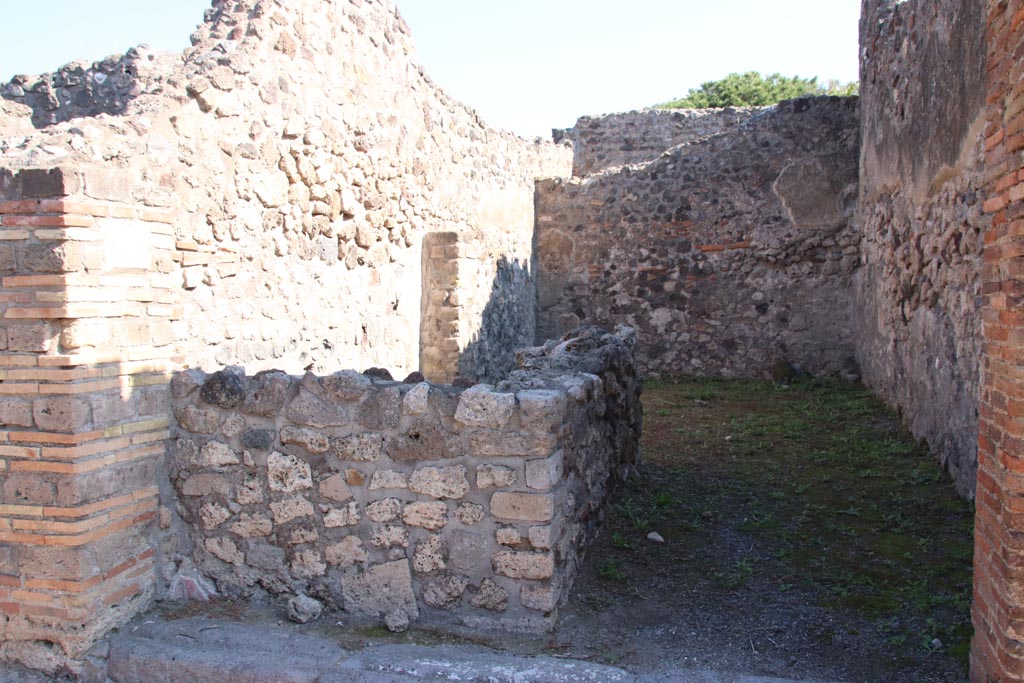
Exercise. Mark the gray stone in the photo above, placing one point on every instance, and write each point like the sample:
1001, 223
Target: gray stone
303, 609
490, 596
309, 410
380, 590
481, 406
267, 393
192, 418
423, 440
381, 409
216, 455
444, 591
223, 389
258, 439
347, 385
218, 650
347, 552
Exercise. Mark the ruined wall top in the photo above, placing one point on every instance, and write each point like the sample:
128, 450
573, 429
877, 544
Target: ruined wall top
612, 140
293, 138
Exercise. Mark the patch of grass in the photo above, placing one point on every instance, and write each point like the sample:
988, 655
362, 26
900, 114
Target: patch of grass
611, 571
816, 489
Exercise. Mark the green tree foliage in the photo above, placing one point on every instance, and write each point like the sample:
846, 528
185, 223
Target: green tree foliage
751, 89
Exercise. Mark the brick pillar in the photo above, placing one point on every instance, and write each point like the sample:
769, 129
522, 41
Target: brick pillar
87, 302
440, 309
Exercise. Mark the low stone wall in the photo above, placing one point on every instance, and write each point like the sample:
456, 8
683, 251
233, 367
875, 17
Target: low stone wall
635, 137
408, 501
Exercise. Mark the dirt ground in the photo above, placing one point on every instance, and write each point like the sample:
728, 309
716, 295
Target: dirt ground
806, 535
801, 533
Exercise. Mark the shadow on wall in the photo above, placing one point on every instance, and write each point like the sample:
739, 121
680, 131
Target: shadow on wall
476, 312
507, 323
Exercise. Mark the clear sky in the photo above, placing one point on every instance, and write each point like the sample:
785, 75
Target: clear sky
525, 65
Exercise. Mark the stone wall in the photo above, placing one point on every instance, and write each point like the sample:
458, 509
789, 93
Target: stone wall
307, 158
603, 142
81, 89
408, 501
917, 294
263, 200
727, 254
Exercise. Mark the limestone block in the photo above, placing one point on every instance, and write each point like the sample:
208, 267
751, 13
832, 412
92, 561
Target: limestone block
206, 485
198, 420
287, 473
429, 556
346, 516
440, 482
233, 425
250, 492
311, 411
216, 455
381, 511
541, 537
313, 441
539, 597
541, 410
508, 535
490, 596
484, 443
444, 591
544, 474
61, 413
224, 549
302, 536
416, 399
390, 537
335, 488
469, 513
365, 447
252, 525
347, 385
524, 565
381, 409
269, 558
494, 477
289, 509
346, 553
430, 515
15, 412
388, 479
380, 590
271, 189
354, 477
308, 564
481, 406
212, 515
33, 337
525, 507
423, 440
